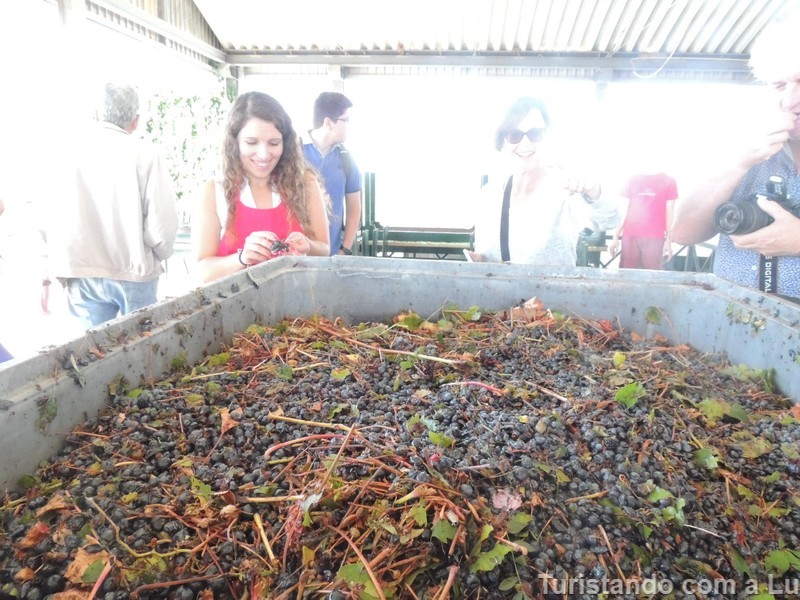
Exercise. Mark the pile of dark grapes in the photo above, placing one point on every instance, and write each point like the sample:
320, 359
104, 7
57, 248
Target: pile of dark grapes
515, 455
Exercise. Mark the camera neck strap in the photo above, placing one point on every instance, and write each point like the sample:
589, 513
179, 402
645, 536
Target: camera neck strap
768, 274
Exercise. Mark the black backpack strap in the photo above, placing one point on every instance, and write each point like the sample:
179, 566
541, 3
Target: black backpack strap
504, 253
347, 161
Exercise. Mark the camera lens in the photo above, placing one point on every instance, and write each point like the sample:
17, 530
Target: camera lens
737, 218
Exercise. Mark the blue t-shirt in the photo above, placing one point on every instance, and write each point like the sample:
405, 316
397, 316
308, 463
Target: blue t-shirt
337, 185
742, 266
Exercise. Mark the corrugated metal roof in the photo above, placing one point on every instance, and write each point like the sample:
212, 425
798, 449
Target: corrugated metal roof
596, 39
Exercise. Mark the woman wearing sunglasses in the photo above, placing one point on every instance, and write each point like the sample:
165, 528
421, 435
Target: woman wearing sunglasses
536, 215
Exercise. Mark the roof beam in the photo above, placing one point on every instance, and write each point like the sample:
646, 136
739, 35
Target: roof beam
157, 26
629, 62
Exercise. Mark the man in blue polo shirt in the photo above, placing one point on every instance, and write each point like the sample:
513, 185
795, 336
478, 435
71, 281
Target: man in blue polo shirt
340, 173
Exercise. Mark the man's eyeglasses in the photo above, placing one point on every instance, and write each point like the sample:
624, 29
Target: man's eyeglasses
535, 135
345, 119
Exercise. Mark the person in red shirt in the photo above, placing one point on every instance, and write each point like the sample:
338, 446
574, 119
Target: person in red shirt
646, 242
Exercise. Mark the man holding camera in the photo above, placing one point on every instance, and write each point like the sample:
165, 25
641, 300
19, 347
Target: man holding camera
767, 258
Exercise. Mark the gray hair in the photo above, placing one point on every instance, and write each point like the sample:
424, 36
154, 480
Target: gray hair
121, 104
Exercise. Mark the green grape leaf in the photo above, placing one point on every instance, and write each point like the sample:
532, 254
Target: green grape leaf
780, 561
340, 374
629, 395
443, 530
487, 561
659, 494
93, 571
441, 440
705, 457
739, 563
518, 522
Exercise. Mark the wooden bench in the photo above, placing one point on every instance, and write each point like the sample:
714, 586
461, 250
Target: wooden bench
430, 242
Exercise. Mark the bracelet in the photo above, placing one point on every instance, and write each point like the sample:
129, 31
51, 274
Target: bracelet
240, 257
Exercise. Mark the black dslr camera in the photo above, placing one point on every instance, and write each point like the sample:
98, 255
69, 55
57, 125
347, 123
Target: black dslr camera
745, 216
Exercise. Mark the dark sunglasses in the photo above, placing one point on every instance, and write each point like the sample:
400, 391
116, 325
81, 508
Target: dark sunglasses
515, 135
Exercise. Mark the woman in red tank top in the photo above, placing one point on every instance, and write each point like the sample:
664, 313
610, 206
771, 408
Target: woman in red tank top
269, 201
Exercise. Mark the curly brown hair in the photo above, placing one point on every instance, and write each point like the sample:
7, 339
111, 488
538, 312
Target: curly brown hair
291, 174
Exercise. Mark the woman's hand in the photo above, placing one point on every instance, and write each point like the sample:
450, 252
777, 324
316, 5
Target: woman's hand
256, 248
298, 243
579, 185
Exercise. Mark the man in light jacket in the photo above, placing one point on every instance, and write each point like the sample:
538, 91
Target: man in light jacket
113, 217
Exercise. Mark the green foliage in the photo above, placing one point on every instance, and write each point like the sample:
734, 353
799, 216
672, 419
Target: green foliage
340, 374
473, 314
418, 424
628, 395
410, 321
675, 512
751, 446
201, 490
780, 561
739, 563
671, 512
441, 440
181, 361
48, 409
716, 410
519, 522
705, 458
659, 494
368, 333
188, 131
194, 400
744, 373
420, 514
487, 561
653, 315
218, 360
118, 386
27, 482
443, 530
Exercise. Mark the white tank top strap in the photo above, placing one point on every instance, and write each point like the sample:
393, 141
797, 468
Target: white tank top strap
245, 197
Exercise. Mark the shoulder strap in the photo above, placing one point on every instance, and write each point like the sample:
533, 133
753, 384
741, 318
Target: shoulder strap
347, 161
504, 253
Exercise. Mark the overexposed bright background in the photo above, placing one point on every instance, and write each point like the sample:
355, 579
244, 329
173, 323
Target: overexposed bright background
429, 139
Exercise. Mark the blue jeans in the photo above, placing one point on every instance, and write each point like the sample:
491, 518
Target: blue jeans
95, 300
